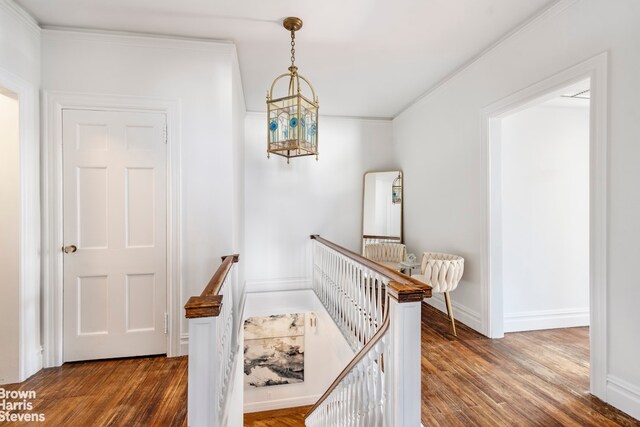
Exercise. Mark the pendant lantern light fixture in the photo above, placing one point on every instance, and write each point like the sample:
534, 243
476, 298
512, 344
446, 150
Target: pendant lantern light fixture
292, 116
396, 190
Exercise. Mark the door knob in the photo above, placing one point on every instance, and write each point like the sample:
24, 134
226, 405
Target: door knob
70, 249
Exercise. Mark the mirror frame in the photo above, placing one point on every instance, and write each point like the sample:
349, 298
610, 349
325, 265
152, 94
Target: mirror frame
364, 183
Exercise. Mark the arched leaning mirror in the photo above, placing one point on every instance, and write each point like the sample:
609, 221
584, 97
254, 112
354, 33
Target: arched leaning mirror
382, 207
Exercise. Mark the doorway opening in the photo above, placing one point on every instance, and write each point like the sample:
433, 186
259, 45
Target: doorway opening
10, 222
545, 212
592, 75
544, 203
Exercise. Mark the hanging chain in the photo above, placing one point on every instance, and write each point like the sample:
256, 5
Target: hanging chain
293, 48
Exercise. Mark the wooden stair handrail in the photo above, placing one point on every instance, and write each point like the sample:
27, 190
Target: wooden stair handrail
401, 287
358, 357
209, 303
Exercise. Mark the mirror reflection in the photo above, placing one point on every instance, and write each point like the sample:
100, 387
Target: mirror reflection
382, 207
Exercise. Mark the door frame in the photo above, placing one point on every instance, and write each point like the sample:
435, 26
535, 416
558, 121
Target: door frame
54, 102
491, 279
30, 357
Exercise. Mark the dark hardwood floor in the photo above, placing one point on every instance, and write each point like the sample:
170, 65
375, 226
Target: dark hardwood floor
538, 378
291, 417
149, 391
526, 379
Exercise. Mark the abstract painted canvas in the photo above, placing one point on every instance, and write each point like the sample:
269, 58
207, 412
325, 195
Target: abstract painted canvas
274, 350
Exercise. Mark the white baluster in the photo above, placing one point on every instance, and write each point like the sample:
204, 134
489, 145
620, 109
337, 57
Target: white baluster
356, 298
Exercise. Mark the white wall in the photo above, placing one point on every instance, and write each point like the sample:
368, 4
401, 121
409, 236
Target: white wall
321, 366
10, 240
285, 204
237, 141
200, 76
20, 237
545, 217
438, 142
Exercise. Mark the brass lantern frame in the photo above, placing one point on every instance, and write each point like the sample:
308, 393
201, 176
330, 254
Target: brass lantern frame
292, 120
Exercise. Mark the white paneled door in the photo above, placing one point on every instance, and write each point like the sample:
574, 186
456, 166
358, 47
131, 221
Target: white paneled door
115, 234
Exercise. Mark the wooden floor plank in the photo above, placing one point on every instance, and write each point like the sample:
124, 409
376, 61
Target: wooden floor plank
535, 379
291, 417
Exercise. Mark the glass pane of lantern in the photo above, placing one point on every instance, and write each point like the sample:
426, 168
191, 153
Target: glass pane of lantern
282, 123
308, 125
293, 124
278, 129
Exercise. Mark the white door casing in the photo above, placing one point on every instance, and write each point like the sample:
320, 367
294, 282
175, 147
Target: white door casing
114, 208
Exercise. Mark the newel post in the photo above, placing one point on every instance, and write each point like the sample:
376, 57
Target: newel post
206, 332
204, 388
404, 388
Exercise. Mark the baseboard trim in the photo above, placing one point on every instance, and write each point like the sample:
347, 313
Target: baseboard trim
461, 313
184, 344
546, 319
624, 396
270, 405
275, 285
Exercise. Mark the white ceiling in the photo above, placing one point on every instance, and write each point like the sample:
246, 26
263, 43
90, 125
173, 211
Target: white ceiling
368, 58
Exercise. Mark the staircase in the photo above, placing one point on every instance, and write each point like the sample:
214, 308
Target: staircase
376, 309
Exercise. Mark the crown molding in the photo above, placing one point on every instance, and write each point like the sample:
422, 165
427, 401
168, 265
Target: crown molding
13, 9
138, 39
553, 9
